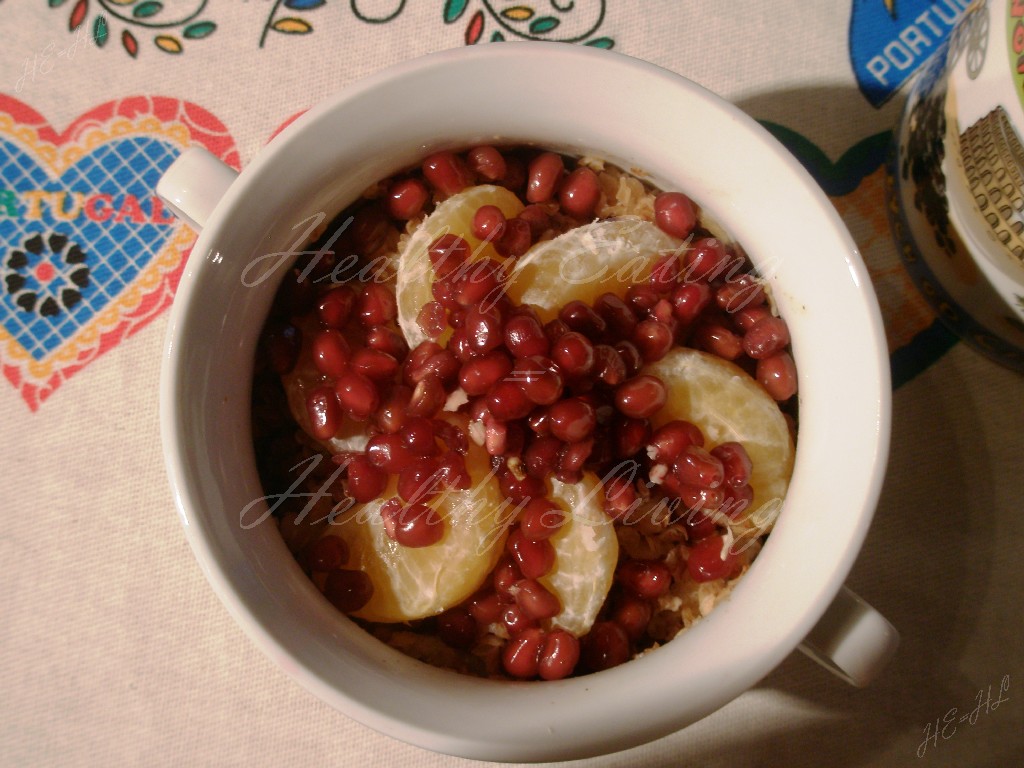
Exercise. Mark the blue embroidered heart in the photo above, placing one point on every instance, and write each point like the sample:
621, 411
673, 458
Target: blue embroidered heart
70, 246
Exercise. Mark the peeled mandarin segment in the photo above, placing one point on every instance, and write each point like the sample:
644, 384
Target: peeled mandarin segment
413, 583
587, 261
453, 216
586, 551
727, 404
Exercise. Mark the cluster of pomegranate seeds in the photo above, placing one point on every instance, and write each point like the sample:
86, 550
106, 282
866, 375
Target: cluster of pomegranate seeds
545, 400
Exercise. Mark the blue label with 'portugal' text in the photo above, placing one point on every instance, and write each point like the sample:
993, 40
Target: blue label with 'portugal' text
890, 39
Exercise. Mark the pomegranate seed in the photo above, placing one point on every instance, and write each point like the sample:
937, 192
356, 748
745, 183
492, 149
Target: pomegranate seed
420, 436
571, 459
389, 452
633, 614
484, 330
646, 578
378, 366
376, 305
451, 469
384, 339
418, 525
541, 456
539, 380
516, 620
391, 414
486, 608
630, 436
695, 497
559, 655
705, 259
604, 647
671, 439
488, 223
746, 318
427, 398
521, 655
335, 307
583, 319
327, 553
718, 340
572, 419
689, 300
541, 518
538, 218
609, 368
706, 562
505, 576
331, 352
777, 374
536, 601
487, 162
573, 353
699, 523
665, 273
507, 401
534, 557
641, 397
675, 214
480, 283
766, 337
457, 628
357, 395
479, 374
543, 176
414, 368
324, 413
447, 254
617, 315
522, 488
620, 497
739, 292
418, 481
696, 466
495, 436
653, 339
579, 193
736, 502
515, 240
366, 481
641, 299
432, 319
631, 357
736, 463
524, 336
406, 199
446, 173
348, 590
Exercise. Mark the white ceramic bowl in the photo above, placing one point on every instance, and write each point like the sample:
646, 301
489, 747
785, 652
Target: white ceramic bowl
578, 100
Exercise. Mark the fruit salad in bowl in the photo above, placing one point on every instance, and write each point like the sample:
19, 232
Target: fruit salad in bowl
545, 412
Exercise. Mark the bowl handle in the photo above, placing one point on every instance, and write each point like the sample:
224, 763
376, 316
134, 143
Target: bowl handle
193, 185
852, 639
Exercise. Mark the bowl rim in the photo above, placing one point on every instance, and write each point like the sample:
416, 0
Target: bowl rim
758, 657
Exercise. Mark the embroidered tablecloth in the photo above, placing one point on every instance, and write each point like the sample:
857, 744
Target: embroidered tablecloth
114, 650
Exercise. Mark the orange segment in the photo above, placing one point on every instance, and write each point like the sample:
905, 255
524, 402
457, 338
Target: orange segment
413, 583
727, 404
583, 263
586, 551
455, 216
